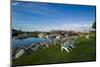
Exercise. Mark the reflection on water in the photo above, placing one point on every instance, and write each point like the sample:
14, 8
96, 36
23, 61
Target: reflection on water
26, 41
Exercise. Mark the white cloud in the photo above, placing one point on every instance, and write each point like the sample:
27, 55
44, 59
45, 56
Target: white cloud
74, 27
14, 3
66, 26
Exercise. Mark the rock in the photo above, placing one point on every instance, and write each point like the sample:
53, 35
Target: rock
21, 52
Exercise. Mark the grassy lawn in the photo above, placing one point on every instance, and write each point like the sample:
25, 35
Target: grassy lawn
85, 51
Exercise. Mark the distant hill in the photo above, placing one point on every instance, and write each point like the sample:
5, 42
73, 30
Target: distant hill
15, 32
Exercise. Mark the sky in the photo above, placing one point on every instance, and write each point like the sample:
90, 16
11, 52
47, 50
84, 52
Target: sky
37, 16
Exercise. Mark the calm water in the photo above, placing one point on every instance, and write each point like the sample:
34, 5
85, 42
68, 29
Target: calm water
27, 41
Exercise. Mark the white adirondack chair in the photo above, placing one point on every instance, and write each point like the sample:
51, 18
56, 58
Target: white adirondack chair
87, 37
72, 44
65, 46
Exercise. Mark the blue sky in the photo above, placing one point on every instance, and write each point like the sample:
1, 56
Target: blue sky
35, 16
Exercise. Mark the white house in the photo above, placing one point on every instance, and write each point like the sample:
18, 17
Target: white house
41, 35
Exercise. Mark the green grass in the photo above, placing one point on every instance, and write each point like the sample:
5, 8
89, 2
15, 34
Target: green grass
85, 51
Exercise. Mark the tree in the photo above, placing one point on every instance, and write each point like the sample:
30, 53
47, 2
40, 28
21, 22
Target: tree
94, 25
